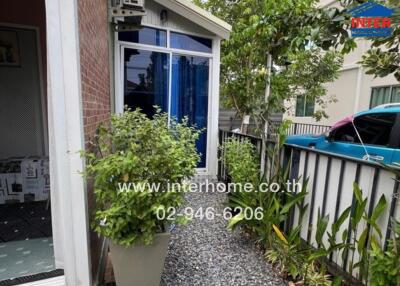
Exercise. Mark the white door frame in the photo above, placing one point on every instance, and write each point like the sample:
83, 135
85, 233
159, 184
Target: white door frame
66, 138
213, 95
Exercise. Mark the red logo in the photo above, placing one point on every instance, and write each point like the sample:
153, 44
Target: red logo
371, 22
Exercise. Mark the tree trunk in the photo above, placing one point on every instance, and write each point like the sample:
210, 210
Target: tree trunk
264, 132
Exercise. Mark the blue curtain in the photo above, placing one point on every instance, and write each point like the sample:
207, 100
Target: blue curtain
189, 95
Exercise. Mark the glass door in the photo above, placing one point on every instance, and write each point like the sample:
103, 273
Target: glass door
178, 84
189, 95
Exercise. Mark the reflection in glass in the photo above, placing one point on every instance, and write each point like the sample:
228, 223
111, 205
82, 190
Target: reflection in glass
189, 95
191, 43
146, 80
146, 35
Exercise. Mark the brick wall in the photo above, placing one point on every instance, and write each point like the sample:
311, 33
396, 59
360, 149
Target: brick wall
95, 75
95, 78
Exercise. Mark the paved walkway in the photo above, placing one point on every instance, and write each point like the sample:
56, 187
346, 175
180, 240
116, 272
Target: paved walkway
205, 253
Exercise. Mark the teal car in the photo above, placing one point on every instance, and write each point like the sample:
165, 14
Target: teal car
372, 135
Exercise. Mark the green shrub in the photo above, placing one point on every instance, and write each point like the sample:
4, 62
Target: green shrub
138, 150
384, 266
242, 166
241, 161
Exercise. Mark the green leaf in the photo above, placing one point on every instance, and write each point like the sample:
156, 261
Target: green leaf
337, 281
342, 218
379, 209
322, 225
357, 192
358, 214
317, 254
235, 220
362, 240
292, 202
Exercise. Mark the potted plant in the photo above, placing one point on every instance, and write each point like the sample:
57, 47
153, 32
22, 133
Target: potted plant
133, 164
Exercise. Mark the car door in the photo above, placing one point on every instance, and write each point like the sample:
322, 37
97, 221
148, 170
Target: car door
374, 140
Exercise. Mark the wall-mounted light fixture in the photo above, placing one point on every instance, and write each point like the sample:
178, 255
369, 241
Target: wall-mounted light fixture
163, 16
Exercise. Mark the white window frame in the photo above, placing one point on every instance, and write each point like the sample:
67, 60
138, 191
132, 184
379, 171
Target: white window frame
213, 85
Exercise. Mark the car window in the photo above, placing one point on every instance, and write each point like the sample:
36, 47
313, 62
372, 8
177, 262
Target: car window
345, 133
374, 129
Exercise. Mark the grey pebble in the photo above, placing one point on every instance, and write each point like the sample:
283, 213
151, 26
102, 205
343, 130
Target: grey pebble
205, 253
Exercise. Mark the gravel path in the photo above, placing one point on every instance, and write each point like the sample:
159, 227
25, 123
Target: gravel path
205, 253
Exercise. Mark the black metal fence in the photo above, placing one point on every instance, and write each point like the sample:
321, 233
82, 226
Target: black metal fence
330, 191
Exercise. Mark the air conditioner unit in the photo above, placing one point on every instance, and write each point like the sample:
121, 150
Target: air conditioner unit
126, 15
130, 4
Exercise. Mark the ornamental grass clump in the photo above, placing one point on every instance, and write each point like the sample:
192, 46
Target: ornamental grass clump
133, 164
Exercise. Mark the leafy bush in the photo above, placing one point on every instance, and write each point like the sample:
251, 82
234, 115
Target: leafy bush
242, 167
292, 257
384, 266
241, 161
145, 152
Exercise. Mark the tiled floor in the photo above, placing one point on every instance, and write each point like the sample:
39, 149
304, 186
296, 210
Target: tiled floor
26, 257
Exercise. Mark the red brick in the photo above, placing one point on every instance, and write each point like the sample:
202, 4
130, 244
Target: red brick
95, 80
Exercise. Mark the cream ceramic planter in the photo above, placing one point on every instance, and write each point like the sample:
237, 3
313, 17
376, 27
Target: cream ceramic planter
140, 265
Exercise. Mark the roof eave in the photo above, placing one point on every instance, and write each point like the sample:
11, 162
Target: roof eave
199, 16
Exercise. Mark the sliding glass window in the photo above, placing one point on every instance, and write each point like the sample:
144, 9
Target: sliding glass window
177, 83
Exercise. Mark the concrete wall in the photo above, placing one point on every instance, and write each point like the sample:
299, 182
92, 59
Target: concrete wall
95, 85
352, 89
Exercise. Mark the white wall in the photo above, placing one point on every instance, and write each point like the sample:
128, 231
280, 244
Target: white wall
21, 121
174, 21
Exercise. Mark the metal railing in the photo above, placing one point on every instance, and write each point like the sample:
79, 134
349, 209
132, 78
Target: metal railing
299, 128
330, 191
